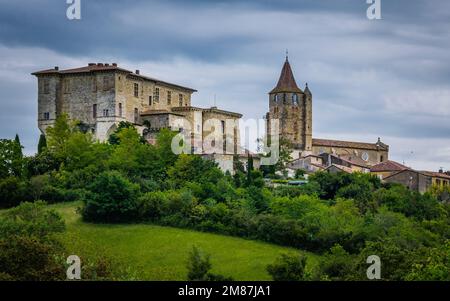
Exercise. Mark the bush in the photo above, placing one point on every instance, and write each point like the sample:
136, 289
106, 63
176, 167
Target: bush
28, 250
12, 192
337, 264
199, 267
111, 199
27, 258
288, 268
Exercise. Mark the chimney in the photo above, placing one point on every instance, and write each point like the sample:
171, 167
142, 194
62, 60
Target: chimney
441, 170
114, 64
106, 65
91, 64
100, 64
56, 68
137, 72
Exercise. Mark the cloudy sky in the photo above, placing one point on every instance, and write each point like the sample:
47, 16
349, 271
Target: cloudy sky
386, 78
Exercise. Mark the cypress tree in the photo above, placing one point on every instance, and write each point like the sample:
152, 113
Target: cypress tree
42, 143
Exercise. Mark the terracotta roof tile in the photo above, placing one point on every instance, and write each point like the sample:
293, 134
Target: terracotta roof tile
349, 144
388, 166
286, 82
104, 67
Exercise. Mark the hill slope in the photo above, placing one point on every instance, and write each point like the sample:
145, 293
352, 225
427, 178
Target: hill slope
160, 253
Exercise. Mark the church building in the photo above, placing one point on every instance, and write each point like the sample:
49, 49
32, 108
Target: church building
292, 107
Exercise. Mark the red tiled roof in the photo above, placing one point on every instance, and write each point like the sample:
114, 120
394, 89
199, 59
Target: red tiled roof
435, 174
104, 67
286, 82
388, 166
422, 172
353, 160
343, 168
348, 144
158, 112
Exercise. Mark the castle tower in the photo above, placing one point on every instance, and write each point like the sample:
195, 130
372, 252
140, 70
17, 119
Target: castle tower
293, 108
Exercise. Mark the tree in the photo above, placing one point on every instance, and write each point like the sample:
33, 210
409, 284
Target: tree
42, 143
112, 199
114, 138
284, 156
11, 158
288, 268
199, 267
58, 135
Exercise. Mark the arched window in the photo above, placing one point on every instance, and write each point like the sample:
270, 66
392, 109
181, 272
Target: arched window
295, 99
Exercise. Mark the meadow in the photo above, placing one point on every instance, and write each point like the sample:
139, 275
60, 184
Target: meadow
160, 253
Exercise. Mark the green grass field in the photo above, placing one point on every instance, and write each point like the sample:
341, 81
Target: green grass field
160, 253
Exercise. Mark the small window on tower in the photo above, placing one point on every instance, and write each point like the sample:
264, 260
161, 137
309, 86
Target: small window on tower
150, 100
156, 95
136, 90
169, 97
46, 84
94, 111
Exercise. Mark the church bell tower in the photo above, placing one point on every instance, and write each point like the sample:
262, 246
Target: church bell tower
293, 108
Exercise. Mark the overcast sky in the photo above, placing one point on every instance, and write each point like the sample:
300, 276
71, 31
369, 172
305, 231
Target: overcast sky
386, 78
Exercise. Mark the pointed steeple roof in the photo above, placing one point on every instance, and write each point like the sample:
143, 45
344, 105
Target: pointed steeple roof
286, 83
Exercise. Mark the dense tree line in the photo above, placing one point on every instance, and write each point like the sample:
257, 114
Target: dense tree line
344, 217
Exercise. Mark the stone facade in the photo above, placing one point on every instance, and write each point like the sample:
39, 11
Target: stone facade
292, 107
100, 96
420, 181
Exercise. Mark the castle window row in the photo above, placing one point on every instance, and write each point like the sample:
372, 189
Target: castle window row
284, 98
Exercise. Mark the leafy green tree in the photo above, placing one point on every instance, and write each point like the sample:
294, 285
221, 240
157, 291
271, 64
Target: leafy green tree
289, 268
431, 264
11, 158
193, 168
58, 135
199, 267
114, 138
337, 264
42, 143
112, 199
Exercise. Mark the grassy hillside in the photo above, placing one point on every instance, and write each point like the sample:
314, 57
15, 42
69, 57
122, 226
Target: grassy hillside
160, 253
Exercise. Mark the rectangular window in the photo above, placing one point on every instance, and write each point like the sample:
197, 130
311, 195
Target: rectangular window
150, 100
105, 113
94, 111
169, 97
46, 116
120, 109
136, 115
156, 95
105, 83
136, 90
94, 84
180, 100
46, 84
67, 86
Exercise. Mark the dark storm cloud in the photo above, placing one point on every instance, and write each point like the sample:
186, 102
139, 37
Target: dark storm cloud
388, 78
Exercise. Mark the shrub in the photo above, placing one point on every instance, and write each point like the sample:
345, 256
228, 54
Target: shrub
26, 258
28, 250
337, 264
288, 268
199, 267
12, 192
111, 199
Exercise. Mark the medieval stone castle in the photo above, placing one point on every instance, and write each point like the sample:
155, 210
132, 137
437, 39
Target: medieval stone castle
102, 95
